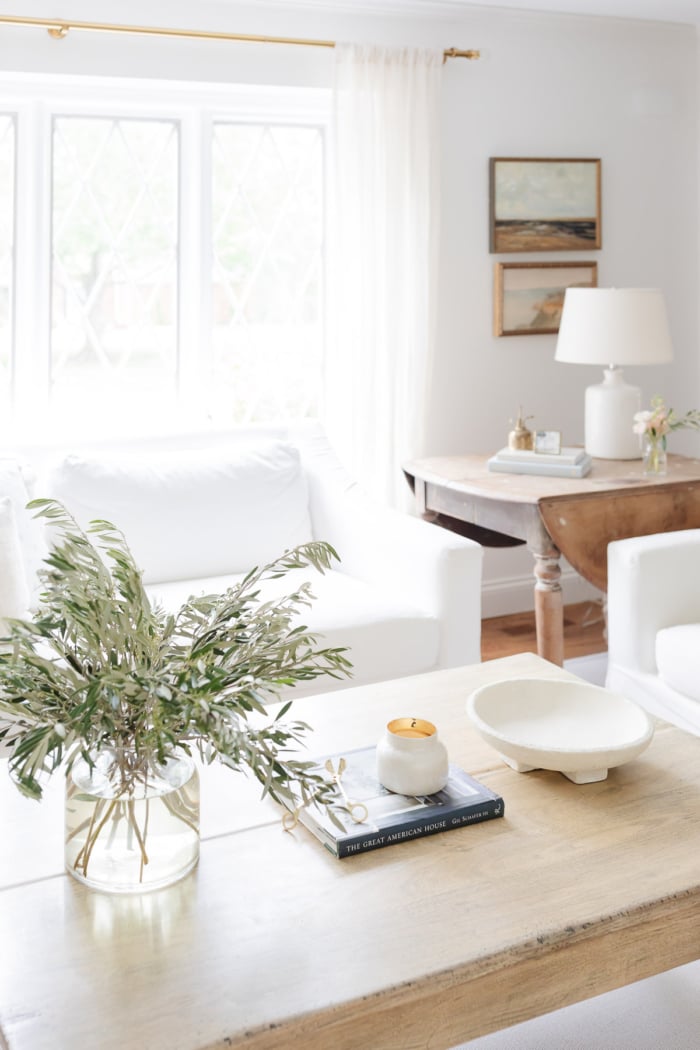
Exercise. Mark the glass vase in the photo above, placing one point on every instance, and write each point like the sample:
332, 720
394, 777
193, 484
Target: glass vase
654, 455
132, 823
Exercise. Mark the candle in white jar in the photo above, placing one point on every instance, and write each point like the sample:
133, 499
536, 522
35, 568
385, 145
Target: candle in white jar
411, 759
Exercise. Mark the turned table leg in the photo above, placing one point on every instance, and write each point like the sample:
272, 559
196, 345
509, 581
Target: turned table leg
549, 605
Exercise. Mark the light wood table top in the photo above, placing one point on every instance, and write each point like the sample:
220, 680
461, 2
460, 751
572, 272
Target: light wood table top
273, 943
470, 473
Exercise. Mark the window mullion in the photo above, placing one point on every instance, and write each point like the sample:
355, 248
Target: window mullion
194, 263
33, 270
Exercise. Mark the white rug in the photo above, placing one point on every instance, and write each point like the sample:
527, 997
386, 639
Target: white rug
661, 1013
591, 668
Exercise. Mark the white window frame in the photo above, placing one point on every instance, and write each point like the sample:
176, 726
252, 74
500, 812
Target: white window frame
36, 100
11, 114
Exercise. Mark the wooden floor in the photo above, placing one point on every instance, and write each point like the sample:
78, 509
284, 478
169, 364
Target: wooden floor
584, 633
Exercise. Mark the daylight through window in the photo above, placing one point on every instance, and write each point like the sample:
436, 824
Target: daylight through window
170, 263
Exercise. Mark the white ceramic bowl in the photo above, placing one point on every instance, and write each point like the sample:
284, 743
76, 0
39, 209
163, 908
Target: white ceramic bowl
575, 728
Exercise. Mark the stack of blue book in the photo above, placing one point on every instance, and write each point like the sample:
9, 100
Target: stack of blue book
570, 462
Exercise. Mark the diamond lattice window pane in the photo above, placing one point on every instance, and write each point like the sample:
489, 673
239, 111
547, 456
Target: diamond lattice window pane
7, 223
115, 236
267, 211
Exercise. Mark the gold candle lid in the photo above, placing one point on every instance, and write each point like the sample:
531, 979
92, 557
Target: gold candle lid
418, 728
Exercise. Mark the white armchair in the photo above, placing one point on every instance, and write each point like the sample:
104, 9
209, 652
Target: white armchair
200, 510
654, 624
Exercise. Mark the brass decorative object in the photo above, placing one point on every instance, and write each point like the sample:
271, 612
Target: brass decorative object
357, 810
520, 437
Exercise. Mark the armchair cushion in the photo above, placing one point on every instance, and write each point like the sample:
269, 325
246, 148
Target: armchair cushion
653, 624
678, 658
385, 636
195, 512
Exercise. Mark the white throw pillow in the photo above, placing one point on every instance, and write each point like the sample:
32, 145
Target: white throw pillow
195, 513
678, 658
14, 592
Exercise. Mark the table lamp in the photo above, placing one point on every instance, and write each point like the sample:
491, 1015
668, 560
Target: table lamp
613, 327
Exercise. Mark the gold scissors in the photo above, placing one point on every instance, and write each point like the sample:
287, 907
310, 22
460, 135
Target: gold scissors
291, 819
358, 810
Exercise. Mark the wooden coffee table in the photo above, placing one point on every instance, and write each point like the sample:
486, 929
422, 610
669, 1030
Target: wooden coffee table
273, 943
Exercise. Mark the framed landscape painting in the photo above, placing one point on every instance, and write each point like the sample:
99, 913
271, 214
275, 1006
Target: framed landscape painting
539, 204
529, 297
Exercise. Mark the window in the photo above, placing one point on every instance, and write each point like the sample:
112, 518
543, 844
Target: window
169, 255
267, 206
114, 242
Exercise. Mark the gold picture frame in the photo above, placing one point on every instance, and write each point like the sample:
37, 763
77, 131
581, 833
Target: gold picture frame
529, 296
543, 204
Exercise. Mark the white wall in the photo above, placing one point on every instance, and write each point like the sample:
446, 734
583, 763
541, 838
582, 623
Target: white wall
546, 85
620, 90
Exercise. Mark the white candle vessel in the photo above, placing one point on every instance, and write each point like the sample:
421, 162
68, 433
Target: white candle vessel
411, 759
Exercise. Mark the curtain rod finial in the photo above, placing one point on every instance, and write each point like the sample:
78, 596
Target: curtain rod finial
455, 52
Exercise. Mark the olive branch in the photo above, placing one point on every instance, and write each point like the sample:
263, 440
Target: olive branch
99, 665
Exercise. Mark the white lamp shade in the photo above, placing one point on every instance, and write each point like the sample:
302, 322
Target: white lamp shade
614, 326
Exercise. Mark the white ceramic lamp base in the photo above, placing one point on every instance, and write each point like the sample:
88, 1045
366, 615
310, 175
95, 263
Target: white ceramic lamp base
609, 417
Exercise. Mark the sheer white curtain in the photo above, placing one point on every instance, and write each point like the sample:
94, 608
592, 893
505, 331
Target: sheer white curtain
382, 260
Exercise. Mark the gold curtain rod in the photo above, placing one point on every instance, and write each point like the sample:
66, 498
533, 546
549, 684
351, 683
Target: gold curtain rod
58, 29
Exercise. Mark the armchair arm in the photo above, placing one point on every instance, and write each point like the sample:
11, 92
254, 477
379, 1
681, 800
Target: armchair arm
653, 582
433, 569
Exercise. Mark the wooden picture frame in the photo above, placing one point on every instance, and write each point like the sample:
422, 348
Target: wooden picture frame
529, 296
543, 204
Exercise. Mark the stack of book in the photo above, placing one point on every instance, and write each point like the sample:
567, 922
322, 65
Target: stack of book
390, 818
571, 462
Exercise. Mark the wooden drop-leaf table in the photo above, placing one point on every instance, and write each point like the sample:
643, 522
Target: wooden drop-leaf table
574, 517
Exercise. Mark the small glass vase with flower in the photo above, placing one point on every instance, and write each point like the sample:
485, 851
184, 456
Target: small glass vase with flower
654, 424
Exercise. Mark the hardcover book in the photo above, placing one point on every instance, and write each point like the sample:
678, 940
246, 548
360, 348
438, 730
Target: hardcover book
578, 469
568, 454
392, 818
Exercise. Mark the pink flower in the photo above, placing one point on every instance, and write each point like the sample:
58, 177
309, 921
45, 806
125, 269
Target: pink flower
659, 420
